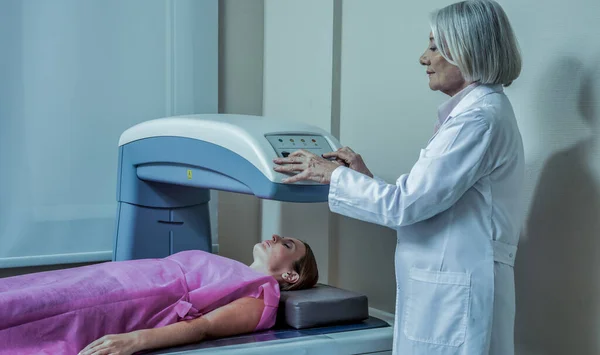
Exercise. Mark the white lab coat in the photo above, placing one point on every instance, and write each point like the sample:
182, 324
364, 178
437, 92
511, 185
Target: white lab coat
458, 215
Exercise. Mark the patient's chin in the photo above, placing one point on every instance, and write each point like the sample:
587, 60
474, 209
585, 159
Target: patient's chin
256, 247
259, 252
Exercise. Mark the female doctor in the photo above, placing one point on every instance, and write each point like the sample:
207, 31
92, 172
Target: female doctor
458, 211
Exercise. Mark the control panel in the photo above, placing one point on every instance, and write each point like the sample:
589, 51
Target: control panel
285, 144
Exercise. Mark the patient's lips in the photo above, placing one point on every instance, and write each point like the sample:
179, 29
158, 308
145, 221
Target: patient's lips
267, 243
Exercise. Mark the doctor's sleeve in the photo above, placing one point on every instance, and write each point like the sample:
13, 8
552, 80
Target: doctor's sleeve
453, 161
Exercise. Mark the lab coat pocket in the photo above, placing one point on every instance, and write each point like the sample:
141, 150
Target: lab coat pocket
437, 307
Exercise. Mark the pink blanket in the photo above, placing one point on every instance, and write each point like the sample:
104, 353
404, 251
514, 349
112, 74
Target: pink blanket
60, 312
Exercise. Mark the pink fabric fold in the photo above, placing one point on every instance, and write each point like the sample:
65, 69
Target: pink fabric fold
186, 311
60, 312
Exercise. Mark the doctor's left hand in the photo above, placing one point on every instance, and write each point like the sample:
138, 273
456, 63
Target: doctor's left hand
114, 344
309, 166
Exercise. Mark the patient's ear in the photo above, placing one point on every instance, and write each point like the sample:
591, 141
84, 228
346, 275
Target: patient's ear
290, 277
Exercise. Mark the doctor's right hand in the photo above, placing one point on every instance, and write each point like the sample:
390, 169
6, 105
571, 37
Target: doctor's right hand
350, 159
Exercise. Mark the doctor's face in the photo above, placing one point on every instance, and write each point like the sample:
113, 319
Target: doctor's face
443, 76
279, 254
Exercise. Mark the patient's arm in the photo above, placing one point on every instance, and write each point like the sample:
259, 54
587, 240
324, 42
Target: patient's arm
238, 317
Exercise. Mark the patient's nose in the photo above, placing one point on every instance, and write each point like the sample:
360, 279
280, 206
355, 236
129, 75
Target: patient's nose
276, 238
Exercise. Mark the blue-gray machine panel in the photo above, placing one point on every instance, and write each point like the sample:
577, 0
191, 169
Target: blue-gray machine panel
163, 191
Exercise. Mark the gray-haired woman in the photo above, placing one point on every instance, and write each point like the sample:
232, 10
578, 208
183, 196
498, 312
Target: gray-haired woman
458, 212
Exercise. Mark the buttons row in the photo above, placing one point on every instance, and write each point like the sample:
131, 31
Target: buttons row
301, 140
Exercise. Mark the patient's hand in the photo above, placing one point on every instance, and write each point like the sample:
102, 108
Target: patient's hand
240, 316
114, 344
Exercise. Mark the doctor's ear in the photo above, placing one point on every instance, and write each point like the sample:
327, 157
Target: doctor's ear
290, 277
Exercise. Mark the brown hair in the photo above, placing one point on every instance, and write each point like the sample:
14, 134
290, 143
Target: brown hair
307, 270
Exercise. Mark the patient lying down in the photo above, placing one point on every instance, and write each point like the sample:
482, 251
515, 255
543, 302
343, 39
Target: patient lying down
129, 306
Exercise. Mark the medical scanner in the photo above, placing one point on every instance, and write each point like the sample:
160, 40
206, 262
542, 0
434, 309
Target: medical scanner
168, 166
166, 170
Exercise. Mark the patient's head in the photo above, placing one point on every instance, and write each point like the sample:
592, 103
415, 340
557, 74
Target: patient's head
289, 260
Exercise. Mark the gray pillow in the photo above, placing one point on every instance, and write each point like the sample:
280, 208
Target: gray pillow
321, 305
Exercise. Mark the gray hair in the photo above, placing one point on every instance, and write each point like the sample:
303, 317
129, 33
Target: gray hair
476, 36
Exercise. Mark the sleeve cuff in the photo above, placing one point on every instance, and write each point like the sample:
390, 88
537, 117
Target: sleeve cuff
334, 186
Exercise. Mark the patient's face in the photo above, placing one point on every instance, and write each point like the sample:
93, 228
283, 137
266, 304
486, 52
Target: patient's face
279, 254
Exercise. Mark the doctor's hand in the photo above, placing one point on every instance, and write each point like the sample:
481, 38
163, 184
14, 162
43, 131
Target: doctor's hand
350, 159
114, 344
309, 166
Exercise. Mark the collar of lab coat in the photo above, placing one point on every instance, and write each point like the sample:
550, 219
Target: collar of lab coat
461, 101
465, 98
447, 107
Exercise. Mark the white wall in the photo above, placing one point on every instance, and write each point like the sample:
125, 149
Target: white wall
241, 38
558, 99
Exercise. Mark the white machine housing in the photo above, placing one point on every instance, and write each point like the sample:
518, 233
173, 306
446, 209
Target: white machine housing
242, 134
